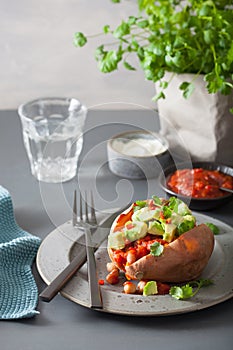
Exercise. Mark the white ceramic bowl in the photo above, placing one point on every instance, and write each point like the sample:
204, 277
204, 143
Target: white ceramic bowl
138, 154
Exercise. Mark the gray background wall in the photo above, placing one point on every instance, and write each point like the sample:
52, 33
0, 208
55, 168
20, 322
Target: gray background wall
38, 57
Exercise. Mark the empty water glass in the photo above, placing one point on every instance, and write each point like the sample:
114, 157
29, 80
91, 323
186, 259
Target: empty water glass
53, 136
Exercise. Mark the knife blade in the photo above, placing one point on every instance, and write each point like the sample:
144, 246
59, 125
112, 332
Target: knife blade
65, 275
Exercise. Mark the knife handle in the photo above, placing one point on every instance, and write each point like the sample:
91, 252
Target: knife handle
63, 277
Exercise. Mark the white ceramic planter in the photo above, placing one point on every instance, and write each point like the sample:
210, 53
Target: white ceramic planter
200, 126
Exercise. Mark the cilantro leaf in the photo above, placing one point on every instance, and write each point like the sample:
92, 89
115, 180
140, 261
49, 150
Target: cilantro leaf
184, 292
109, 62
214, 228
79, 39
121, 30
156, 249
167, 212
128, 66
190, 289
157, 200
187, 89
139, 205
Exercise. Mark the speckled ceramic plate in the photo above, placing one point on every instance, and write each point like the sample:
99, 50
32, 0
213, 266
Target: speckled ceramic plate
58, 248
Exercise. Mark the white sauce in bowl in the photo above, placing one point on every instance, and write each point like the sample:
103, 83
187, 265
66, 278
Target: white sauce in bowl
139, 147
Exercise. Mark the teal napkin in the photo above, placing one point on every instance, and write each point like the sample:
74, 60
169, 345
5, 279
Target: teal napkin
18, 248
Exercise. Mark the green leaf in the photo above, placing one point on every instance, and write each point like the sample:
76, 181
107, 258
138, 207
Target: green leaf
206, 9
214, 228
143, 24
230, 54
139, 205
156, 249
214, 82
163, 84
167, 212
157, 200
185, 226
106, 29
190, 289
128, 66
100, 53
159, 96
132, 20
173, 203
184, 292
110, 62
187, 89
79, 39
209, 36
121, 30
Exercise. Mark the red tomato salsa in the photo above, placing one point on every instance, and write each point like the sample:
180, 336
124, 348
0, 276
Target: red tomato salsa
200, 183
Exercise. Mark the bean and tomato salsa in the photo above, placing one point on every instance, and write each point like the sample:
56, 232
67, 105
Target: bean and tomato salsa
200, 183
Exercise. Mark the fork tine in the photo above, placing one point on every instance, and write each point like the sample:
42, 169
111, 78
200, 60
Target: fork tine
86, 208
75, 208
93, 216
80, 208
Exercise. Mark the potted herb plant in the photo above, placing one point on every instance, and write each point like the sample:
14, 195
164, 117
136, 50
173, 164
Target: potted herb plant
186, 49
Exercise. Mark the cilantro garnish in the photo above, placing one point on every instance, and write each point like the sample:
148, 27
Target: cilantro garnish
190, 289
167, 212
157, 200
214, 228
156, 249
139, 205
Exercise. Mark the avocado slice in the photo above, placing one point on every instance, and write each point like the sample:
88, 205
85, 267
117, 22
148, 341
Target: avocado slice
137, 231
116, 240
146, 214
150, 288
155, 228
170, 230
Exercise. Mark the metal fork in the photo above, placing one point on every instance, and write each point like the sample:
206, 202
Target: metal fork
89, 224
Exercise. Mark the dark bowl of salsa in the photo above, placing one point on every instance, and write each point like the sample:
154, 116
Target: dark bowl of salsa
198, 184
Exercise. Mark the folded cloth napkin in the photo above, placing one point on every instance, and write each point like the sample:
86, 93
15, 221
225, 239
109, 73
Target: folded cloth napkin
18, 248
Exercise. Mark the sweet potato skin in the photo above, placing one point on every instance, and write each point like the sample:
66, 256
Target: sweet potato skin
182, 260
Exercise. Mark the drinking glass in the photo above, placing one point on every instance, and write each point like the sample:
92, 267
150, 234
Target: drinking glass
53, 136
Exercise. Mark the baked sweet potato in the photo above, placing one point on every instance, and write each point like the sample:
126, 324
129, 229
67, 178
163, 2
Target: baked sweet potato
182, 260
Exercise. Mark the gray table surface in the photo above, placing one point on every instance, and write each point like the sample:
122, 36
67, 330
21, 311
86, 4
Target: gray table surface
40, 207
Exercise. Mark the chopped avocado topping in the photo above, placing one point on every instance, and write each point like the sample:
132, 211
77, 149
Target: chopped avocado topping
150, 288
146, 214
156, 249
178, 206
183, 209
170, 231
116, 240
176, 219
166, 218
135, 231
155, 228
